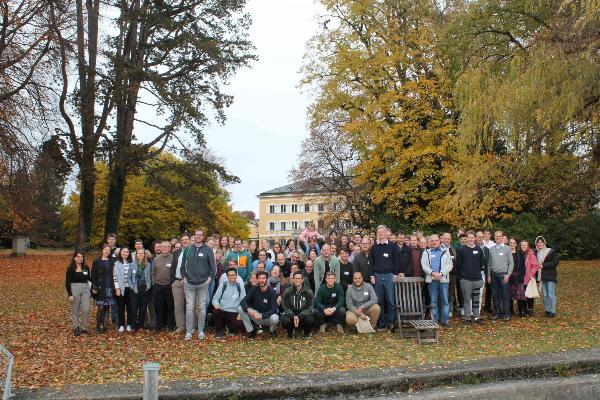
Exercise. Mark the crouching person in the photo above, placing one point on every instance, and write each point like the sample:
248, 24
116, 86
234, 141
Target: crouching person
226, 303
361, 302
329, 304
297, 305
260, 306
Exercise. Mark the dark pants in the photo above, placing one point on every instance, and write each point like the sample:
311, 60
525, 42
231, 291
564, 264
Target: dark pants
226, 319
487, 305
124, 303
501, 295
164, 306
114, 313
384, 289
338, 317
139, 303
306, 323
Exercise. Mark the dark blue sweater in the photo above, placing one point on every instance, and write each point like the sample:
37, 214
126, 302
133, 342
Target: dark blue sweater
383, 259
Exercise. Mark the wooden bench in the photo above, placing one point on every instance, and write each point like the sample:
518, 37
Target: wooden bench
411, 311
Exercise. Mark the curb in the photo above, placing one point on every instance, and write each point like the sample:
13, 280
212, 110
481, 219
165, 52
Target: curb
361, 381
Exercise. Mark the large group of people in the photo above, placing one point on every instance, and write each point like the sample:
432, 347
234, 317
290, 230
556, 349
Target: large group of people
188, 283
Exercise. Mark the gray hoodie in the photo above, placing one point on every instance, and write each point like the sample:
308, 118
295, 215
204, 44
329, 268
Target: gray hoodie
199, 265
362, 296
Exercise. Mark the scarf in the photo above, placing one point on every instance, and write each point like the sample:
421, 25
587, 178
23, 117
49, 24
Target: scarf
543, 252
275, 283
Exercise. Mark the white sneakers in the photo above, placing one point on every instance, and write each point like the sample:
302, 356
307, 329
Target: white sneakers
129, 328
323, 328
201, 335
121, 329
188, 336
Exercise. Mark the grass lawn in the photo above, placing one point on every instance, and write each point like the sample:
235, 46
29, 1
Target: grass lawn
35, 327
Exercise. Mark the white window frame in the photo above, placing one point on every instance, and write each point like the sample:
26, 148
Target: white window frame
306, 204
292, 206
283, 208
271, 222
292, 225
272, 206
283, 225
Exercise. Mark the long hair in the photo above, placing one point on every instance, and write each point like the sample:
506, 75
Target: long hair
72, 264
102, 249
120, 257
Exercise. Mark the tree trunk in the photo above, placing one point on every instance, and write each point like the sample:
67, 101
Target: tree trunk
87, 172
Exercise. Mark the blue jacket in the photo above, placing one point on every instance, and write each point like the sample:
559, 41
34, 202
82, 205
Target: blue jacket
132, 276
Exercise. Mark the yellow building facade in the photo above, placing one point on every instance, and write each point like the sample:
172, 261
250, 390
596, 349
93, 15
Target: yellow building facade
285, 211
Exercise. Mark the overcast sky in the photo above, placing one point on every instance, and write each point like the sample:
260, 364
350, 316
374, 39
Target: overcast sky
261, 138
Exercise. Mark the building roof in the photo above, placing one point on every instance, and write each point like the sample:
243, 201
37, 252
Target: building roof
299, 187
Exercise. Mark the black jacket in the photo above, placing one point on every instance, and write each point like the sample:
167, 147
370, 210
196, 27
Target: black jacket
550, 264
405, 260
470, 262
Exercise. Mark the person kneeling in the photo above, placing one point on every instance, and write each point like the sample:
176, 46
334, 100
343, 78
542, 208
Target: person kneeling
361, 302
329, 303
260, 304
298, 307
226, 303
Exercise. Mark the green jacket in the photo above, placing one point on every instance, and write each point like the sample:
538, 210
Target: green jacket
319, 269
330, 297
298, 302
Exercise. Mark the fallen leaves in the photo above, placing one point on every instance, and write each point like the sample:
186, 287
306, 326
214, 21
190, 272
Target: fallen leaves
35, 327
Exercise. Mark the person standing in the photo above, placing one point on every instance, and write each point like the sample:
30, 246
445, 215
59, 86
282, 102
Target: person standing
499, 271
198, 271
384, 264
437, 264
346, 270
141, 284
242, 258
122, 290
324, 263
162, 280
361, 259
77, 283
469, 264
103, 287
487, 287
454, 298
527, 268
297, 304
547, 263
179, 258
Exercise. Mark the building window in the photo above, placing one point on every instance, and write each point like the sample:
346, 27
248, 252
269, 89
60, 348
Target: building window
348, 224
283, 225
271, 226
294, 224
306, 207
271, 209
294, 208
321, 207
306, 224
283, 208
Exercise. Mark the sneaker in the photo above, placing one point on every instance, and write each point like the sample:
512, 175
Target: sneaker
176, 332
128, 328
188, 336
84, 331
76, 332
219, 335
251, 334
449, 315
494, 317
290, 334
467, 322
445, 324
121, 329
552, 315
201, 336
340, 328
479, 321
323, 328
507, 317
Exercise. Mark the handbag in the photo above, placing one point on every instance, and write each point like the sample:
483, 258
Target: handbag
531, 292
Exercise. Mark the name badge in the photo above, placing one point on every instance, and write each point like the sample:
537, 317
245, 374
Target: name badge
346, 272
303, 298
85, 272
235, 295
385, 254
475, 252
500, 254
169, 265
265, 301
433, 256
365, 293
200, 254
333, 294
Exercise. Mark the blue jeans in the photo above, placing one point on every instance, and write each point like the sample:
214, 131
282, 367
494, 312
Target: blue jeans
548, 288
193, 292
439, 290
501, 294
384, 289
